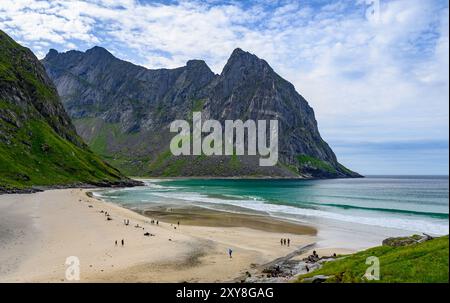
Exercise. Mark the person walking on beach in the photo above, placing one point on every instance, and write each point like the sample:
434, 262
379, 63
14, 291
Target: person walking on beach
116, 243
284, 241
230, 252
123, 242
289, 242
281, 241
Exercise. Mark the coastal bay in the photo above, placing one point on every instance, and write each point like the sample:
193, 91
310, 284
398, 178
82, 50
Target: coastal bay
57, 224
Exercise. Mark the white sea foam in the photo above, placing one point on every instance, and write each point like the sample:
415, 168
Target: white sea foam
416, 225
437, 227
97, 194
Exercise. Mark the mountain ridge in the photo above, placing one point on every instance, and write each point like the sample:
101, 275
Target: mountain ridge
123, 111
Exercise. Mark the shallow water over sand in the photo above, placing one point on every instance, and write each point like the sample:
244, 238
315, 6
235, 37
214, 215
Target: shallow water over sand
407, 204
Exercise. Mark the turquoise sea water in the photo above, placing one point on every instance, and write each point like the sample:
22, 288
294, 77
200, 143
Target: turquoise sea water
409, 203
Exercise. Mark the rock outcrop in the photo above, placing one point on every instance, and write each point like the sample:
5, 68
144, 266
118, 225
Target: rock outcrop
405, 241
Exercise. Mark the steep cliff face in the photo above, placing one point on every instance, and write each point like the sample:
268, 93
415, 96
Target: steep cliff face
124, 111
38, 143
248, 88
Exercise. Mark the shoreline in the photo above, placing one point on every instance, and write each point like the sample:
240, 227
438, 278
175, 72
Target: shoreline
138, 181
143, 178
37, 189
56, 224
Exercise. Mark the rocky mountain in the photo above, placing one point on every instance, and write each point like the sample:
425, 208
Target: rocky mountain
39, 145
123, 111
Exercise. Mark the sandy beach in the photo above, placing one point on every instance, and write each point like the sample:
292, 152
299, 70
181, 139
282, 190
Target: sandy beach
39, 231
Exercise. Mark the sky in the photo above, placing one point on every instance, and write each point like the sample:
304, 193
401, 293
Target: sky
376, 72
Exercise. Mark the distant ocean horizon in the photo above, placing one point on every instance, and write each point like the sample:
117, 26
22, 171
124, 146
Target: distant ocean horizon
416, 203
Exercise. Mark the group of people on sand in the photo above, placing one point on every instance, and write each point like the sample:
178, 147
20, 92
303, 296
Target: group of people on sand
285, 241
126, 222
138, 226
108, 217
122, 242
175, 227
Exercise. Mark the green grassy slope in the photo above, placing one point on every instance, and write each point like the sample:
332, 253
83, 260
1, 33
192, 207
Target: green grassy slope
425, 262
38, 143
37, 156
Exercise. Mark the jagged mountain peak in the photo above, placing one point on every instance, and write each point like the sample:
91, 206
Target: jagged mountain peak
244, 56
239, 53
198, 65
51, 53
242, 61
198, 72
94, 53
98, 50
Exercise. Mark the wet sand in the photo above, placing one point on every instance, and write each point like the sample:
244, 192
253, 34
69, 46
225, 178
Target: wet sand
198, 216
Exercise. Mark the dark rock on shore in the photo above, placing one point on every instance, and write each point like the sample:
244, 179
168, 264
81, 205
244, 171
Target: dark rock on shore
35, 189
18, 191
317, 279
286, 268
405, 241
